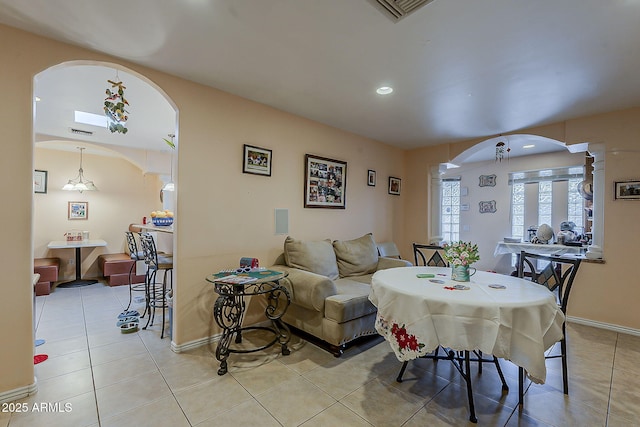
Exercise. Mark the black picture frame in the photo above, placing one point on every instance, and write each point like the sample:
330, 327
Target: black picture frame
256, 160
371, 178
40, 181
627, 190
325, 182
394, 185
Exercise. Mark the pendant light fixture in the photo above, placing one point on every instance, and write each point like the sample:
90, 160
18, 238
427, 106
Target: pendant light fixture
170, 186
80, 183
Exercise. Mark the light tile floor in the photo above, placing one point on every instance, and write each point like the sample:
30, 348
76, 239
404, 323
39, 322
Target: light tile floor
107, 378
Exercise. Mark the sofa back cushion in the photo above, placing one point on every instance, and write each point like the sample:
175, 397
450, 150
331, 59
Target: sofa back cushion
356, 257
309, 255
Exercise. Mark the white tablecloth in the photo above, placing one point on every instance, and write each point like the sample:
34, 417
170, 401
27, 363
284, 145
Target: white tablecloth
518, 323
551, 249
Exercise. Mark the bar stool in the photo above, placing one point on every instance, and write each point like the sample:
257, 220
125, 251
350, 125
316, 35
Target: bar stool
136, 256
155, 298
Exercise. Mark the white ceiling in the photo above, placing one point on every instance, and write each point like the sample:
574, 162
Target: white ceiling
460, 68
65, 89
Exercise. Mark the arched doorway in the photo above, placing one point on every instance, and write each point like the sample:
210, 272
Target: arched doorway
129, 168
483, 174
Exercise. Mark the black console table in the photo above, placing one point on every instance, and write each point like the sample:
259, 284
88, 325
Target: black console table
229, 310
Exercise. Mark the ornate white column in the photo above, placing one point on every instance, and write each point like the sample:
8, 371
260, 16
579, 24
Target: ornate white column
594, 251
435, 234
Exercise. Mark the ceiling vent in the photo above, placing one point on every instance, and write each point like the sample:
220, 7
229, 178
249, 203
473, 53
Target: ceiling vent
398, 9
81, 132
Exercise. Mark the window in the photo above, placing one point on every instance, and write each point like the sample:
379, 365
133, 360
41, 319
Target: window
450, 209
547, 196
545, 202
575, 211
517, 210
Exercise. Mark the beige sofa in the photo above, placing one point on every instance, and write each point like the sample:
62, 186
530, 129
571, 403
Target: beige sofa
329, 283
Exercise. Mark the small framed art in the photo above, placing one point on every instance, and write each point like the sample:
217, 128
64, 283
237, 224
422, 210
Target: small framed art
256, 160
78, 210
488, 206
325, 182
394, 185
487, 181
39, 181
371, 178
628, 190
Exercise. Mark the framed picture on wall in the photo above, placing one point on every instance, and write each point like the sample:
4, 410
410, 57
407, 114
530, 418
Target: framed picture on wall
394, 185
628, 190
78, 210
256, 160
39, 181
371, 178
488, 206
487, 181
325, 182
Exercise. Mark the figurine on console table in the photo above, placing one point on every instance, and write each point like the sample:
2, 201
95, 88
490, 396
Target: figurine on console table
544, 235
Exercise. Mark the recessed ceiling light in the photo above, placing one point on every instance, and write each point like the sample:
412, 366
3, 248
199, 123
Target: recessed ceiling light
37, 99
528, 146
384, 90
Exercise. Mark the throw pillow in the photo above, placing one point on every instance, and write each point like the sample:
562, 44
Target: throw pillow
356, 257
314, 256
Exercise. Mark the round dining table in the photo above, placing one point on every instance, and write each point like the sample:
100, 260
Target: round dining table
421, 308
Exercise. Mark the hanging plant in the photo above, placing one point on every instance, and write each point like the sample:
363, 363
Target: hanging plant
114, 107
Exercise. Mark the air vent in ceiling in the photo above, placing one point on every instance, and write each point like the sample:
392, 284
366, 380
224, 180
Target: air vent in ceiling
81, 132
398, 9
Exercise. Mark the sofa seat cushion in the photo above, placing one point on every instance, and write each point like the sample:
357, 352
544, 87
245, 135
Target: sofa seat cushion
356, 257
314, 256
351, 301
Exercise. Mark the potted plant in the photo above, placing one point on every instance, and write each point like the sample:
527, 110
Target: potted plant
460, 255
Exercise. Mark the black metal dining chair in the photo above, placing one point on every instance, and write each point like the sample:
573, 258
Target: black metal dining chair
557, 273
428, 255
155, 298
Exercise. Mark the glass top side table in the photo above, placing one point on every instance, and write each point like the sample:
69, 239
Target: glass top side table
229, 310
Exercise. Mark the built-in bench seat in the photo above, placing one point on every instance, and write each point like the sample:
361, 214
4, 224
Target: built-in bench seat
48, 269
115, 268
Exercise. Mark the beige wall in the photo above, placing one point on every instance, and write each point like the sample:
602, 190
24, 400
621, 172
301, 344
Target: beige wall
125, 195
221, 213
605, 293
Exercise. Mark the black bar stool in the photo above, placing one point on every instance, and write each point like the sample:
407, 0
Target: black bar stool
155, 298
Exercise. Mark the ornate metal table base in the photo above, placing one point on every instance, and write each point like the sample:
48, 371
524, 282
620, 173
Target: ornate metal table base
229, 310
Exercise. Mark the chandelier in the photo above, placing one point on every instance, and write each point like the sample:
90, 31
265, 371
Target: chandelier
80, 183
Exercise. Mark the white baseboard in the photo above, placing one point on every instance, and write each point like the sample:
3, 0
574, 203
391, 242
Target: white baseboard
19, 393
194, 344
207, 340
602, 325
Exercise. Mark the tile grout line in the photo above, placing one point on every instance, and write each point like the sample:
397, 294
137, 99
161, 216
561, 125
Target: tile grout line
86, 334
155, 362
613, 364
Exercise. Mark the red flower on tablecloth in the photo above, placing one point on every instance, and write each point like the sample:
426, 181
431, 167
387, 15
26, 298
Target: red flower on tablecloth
412, 343
406, 345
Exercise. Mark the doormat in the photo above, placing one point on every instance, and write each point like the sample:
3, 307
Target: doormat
38, 358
